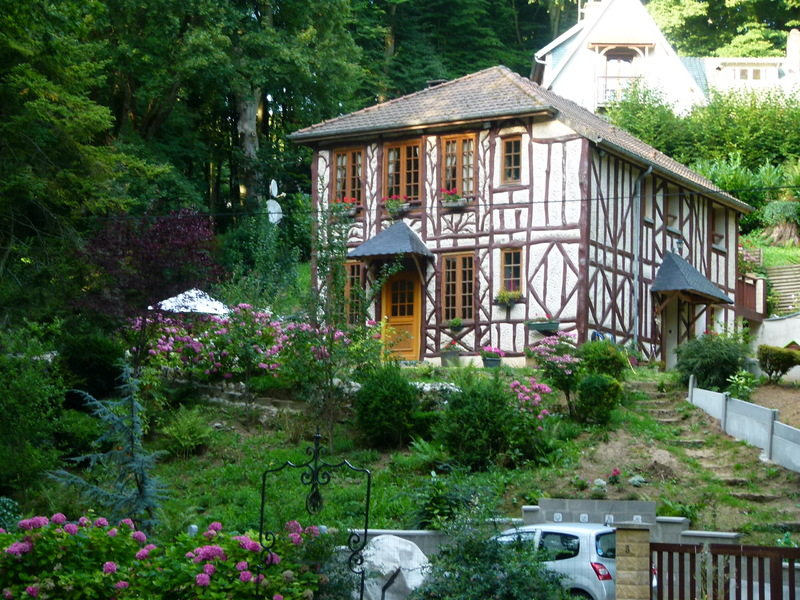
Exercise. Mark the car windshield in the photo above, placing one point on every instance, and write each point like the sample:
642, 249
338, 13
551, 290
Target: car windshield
607, 545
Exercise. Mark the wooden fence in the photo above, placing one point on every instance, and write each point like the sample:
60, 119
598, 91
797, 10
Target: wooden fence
725, 572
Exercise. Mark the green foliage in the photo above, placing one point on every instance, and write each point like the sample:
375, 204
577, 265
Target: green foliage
385, 407
440, 499
475, 566
712, 359
742, 384
781, 211
776, 362
262, 265
31, 394
598, 395
605, 358
186, 433
75, 433
98, 560
91, 361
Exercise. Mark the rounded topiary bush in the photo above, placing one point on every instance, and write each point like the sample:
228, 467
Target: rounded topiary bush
598, 395
712, 359
385, 407
604, 357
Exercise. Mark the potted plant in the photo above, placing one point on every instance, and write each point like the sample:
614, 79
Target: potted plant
492, 357
450, 353
455, 325
346, 206
507, 298
545, 325
452, 199
395, 205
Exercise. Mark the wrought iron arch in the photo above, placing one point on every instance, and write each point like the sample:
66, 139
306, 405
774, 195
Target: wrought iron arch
315, 473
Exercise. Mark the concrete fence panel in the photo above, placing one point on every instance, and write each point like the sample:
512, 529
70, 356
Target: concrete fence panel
786, 446
712, 403
750, 422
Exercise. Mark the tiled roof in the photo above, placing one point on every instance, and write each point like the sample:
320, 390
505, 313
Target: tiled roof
676, 275
495, 93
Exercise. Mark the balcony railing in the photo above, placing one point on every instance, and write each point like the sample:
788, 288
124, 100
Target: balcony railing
610, 88
751, 296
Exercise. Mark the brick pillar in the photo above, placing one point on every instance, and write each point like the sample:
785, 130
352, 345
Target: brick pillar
634, 575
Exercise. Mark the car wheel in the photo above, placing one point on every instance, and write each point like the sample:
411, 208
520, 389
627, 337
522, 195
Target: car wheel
581, 594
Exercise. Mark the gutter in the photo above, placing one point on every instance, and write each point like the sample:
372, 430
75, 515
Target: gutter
637, 251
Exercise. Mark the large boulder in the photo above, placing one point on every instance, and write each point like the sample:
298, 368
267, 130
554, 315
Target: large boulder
388, 557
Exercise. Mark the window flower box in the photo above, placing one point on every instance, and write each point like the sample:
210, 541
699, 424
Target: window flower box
545, 327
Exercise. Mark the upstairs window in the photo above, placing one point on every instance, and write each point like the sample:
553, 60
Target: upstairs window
458, 171
512, 159
402, 171
347, 176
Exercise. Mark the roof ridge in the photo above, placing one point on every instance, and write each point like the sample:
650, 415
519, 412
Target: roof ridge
391, 101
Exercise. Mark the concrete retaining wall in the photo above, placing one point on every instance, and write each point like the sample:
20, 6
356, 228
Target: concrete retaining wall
756, 425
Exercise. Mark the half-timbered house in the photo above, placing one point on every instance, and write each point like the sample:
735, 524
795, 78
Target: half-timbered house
557, 207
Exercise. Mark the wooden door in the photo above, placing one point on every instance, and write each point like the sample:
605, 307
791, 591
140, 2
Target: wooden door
401, 307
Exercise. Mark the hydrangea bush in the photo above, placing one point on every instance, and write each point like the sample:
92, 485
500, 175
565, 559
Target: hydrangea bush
88, 559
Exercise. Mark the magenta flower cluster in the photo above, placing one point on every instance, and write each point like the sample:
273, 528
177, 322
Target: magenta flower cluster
528, 398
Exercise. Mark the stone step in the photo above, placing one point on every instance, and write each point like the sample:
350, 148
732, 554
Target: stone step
669, 421
733, 481
684, 443
760, 498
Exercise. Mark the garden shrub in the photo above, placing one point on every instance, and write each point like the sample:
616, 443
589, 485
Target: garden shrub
712, 359
187, 432
491, 421
605, 358
557, 358
95, 559
776, 362
440, 499
473, 565
598, 396
385, 407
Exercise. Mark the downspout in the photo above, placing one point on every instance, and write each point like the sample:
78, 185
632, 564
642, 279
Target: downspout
637, 251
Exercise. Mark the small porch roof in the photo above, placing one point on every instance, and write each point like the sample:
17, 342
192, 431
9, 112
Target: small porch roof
394, 240
676, 275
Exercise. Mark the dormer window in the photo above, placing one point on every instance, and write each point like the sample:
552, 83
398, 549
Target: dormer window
618, 69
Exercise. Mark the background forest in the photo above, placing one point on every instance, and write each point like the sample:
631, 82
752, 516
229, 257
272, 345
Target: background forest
114, 111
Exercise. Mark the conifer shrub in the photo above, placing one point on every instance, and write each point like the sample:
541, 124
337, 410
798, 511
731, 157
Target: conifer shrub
598, 396
385, 407
712, 359
776, 362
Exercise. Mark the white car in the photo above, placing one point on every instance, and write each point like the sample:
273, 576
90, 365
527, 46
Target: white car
585, 553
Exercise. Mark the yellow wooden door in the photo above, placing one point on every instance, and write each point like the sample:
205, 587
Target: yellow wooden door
401, 306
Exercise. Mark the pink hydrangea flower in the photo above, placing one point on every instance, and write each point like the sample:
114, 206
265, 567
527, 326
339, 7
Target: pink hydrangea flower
71, 528
209, 553
209, 534
312, 530
127, 522
241, 566
139, 536
84, 522
202, 580
277, 597
32, 591
109, 567
33, 523
7, 594
215, 526
209, 569
19, 548
121, 585
100, 522
296, 538
293, 527
245, 576
58, 518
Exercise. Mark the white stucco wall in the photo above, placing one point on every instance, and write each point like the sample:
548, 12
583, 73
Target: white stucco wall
779, 331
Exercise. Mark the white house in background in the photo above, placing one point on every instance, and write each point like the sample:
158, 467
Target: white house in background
618, 42
615, 43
